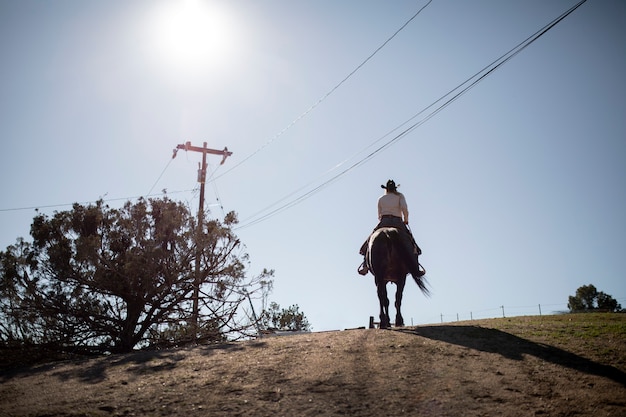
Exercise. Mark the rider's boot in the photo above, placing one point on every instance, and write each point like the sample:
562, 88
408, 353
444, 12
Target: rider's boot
363, 269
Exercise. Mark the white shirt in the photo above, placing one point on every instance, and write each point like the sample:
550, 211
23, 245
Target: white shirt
393, 204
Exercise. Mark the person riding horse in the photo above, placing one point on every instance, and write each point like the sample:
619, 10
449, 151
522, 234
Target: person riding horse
394, 212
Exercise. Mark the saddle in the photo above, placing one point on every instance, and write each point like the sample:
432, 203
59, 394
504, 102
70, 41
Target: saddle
417, 251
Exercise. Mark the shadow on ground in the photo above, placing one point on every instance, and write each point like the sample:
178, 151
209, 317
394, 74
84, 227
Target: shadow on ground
514, 347
94, 370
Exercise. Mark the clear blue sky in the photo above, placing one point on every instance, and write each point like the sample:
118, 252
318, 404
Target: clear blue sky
516, 190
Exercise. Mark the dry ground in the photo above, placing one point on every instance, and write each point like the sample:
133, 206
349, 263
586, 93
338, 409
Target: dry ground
570, 365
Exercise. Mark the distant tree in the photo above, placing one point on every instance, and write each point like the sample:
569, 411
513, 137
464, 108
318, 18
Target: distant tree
101, 279
285, 319
588, 298
607, 303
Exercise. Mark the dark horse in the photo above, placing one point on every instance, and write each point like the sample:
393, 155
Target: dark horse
388, 261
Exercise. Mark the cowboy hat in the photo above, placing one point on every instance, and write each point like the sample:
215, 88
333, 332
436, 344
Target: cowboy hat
391, 186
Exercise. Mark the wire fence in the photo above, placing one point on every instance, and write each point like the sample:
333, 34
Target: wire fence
503, 311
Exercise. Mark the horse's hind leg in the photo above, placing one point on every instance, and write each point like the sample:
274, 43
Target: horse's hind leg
398, 304
384, 305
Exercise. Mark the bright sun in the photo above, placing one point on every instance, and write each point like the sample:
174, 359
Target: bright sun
191, 37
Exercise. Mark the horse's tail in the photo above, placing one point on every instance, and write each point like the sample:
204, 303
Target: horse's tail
419, 273
421, 283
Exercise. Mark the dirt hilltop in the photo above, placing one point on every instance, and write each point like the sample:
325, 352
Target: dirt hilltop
568, 365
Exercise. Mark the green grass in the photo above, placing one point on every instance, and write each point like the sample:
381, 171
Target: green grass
598, 336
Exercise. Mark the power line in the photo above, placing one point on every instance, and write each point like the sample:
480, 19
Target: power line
279, 134
214, 183
483, 73
90, 202
325, 96
160, 175
455, 93
149, 194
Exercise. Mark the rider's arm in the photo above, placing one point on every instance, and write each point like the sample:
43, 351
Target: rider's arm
404, 208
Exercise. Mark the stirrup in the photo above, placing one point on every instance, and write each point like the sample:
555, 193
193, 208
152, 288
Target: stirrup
363, 270
420, 270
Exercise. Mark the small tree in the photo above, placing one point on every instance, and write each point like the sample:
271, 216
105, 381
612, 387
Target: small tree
101, 279
285, 319
588, 298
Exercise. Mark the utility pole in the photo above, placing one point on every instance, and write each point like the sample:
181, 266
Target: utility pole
201, 179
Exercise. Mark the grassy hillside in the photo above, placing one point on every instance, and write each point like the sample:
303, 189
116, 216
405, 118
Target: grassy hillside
601, 336
567, 365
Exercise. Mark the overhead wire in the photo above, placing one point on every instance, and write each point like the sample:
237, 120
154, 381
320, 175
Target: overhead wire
325, 96
194, 190
107, 200
160, 175
455, 93
279, 134
148, 194
211, 179
485, 72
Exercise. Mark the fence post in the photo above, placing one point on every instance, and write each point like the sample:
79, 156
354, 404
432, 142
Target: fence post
503, 316
540, 310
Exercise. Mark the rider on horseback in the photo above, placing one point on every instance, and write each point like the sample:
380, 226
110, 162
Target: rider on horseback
393, 212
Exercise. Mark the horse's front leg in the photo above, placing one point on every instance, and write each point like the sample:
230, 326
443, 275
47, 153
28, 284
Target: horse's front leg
384, 304
398, 304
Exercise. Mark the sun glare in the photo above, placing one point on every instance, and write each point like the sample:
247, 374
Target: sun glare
192, 37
